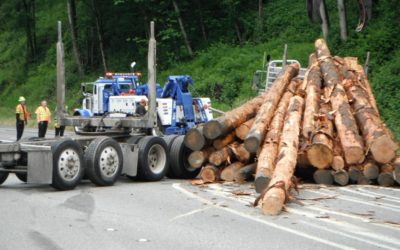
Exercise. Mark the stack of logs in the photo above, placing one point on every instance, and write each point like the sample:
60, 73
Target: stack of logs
329, 123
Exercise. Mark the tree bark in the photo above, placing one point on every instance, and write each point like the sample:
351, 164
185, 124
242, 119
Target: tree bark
324, 19
71, 9
242, 131
210, 174
228, 173
342, 19
99, 34
269, 151
182, 27
381, 145
198, 158
194, 138
353, 146
222, 142
220, 156
232, 119
278, 188
264, 116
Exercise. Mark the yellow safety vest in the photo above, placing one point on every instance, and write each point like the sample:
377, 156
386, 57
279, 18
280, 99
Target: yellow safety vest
43, 114
21, 109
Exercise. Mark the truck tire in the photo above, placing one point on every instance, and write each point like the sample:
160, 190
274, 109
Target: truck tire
180, 167
67, 164
169, 139
104, 161
3, 177
22, 177
153, 158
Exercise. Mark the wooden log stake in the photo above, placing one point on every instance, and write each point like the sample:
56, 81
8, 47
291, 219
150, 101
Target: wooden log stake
352, 143
220, 156
194, 138
222, 142
269, 150
323, 176
210, 174
277, 192
243, 130
198, 158
245, 173
265, 114
228, 173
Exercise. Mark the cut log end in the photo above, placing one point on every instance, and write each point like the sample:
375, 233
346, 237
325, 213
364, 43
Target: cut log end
320, 156
386, 179
194, 139
338, 163
354, 174
362, 180
323, 176
212, 129
397, 174
209, 174
383, 149
261, 183
371, 171
354, 155
273, 202
341, 178
196, 159
252, 144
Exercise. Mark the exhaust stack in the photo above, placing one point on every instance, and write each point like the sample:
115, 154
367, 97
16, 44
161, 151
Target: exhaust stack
60, 77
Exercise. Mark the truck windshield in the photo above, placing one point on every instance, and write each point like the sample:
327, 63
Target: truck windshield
125, 87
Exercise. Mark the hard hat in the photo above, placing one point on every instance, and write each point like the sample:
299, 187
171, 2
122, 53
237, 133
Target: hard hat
21, 99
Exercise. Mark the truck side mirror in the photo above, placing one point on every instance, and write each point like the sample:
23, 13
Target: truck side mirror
83, 88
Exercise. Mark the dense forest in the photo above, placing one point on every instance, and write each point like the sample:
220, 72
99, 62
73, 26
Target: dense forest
220, 43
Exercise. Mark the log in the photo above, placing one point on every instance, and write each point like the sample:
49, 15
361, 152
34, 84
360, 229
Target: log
209, 174
323, 176
194, 138
220, 156
269, 150
313, 81
240, 152
265, 114
341, 177
381, 145
233, 119
355, 173
338, 163
320, 153
228, 173
245, 173
396, 171
243, 130
198, 158
370, 170
276, 194
362, 180
353, 146
222, 142
386, 176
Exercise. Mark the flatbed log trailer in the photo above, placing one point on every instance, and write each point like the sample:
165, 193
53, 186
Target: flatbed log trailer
103, 156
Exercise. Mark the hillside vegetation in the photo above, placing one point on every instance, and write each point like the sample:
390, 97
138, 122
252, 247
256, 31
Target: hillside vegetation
226, 39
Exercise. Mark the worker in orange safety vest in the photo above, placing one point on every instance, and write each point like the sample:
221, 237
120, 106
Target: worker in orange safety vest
22, 116
43, 116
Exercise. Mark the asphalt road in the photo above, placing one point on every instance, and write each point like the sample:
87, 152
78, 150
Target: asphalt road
173, 214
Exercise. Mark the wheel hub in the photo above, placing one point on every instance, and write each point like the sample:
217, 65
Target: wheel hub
109, 161
69, 164
156, 158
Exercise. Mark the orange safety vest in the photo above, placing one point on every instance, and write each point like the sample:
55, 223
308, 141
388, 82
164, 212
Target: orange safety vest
43, 114
21, 109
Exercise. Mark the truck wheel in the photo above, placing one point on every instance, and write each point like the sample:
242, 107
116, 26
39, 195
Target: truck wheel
179, 154
3, 177
22, 177
153, 158
104, 161
67, 164
169, 139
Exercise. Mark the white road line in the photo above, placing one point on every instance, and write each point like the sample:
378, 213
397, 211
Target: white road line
379, 245
177, 186
349, 229
355, 200
189, 213
379, 196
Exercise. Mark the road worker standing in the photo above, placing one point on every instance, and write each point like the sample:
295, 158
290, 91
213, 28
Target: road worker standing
43, 116
22, 116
